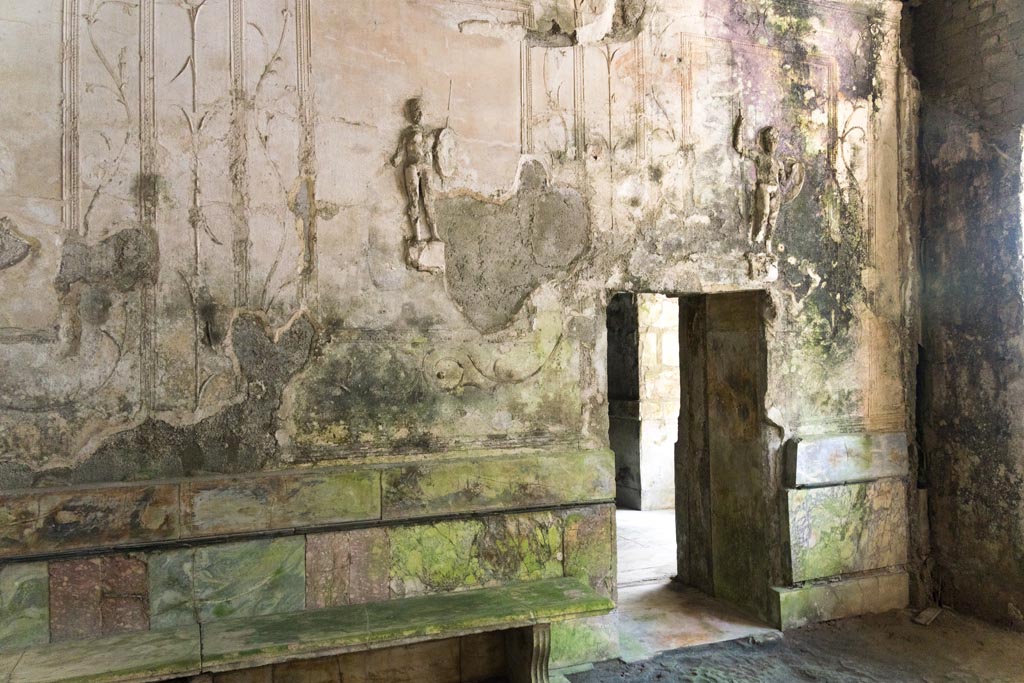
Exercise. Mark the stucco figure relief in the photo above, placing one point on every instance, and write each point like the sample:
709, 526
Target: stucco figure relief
779, 181
427, 158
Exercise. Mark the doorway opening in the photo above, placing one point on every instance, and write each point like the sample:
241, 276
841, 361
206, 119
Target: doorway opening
686, 381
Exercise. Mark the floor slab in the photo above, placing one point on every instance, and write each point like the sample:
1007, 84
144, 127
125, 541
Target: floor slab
660, 617
887, 648
655, 614
646, 545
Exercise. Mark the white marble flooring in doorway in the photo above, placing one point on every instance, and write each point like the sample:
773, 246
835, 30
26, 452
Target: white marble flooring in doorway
656, 615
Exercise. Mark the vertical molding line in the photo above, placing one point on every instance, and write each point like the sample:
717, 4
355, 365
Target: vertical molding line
526, 98
308, 284
147, 194
640, 56
239, 155
686, 55
70, 170
526, 16
579, 100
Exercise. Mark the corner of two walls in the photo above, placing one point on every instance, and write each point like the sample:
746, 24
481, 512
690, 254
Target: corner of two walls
972, 366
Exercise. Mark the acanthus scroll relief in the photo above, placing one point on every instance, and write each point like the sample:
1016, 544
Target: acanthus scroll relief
778, 182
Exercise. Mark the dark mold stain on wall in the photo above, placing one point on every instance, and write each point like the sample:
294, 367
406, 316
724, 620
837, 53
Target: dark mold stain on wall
241, 438
972, 371
972, 392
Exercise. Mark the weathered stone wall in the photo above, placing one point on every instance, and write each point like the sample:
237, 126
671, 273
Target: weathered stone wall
643, 398
659, 399
218, 326
972, 75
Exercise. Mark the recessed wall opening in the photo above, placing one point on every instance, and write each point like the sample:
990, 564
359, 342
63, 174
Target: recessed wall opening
686, 380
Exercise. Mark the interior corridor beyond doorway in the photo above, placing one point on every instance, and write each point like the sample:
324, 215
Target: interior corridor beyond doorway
646, 371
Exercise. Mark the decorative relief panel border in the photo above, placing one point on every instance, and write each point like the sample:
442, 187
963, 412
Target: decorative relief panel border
71, 174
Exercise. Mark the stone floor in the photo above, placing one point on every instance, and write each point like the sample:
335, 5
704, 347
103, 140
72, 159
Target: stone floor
663, 616
887, 648
655, 615
646, 544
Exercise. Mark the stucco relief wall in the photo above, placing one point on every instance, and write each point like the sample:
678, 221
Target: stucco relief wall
208, 256
165, 186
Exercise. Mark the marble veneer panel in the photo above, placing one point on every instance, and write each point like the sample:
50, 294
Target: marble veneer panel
228, 580
311, 498
867, 594
846, 529
24, 605
34, 523
97, 596
838, 459
475, 485
590, 547
346, 568
172, 589
58, 520
466, 554
74, 599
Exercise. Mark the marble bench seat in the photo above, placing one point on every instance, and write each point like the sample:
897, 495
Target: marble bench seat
524, 611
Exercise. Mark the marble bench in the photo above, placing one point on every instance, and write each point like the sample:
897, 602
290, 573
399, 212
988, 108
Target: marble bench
524, 611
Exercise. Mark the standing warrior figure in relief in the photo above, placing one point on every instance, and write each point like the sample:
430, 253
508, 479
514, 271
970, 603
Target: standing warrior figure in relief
421, 148
778, 182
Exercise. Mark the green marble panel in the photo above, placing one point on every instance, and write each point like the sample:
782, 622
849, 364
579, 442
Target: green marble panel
280, 501
171, 589
814, 603
436, 558
492, 483
846, 458
465, 554
250, 578
250, 642
580, 641
318, 498
24, 605
136, 656
590, 552
525, 547
846, 529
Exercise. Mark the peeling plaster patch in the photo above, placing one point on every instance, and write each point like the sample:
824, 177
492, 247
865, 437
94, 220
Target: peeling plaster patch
505, 31
498, 254
599, 26
604, 21
123, 261
14, 247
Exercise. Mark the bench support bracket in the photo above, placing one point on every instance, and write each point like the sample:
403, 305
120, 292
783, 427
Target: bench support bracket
527, 652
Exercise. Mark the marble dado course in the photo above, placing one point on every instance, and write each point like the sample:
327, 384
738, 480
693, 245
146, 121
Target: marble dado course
51, 521
170, 590
828, 461
846, 505
841, 530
